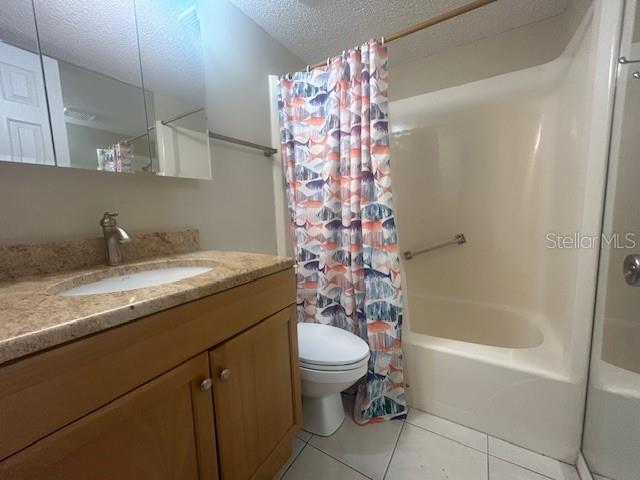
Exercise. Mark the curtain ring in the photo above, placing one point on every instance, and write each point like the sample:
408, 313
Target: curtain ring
382, 41
308, 68
328, 61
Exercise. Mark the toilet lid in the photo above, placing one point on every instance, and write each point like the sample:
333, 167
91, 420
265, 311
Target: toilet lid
326, 345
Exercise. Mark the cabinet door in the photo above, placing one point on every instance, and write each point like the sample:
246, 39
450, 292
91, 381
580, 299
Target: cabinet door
162, 430
257, 397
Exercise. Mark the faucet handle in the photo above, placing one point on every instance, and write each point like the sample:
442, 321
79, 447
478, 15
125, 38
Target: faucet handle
108, 219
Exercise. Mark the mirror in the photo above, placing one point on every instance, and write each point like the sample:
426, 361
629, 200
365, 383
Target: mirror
172, 59
115, 86
25, 133
94, 84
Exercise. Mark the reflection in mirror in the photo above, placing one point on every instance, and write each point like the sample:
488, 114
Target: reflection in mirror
25, 134
94, 84
630, 41
172, 61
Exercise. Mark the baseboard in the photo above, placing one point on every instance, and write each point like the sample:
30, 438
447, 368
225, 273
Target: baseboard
583, 468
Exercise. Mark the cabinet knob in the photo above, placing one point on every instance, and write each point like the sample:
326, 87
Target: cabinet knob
225, 374
206, 384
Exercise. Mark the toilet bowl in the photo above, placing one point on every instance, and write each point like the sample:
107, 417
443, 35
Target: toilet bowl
331, 360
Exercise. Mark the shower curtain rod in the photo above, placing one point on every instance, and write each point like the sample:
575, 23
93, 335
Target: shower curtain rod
443, 17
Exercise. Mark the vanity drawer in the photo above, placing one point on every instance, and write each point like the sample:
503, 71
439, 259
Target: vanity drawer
44, 392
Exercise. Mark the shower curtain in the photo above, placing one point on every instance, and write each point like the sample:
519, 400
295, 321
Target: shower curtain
335, 152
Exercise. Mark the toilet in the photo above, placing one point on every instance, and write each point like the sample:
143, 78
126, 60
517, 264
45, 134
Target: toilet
331, 360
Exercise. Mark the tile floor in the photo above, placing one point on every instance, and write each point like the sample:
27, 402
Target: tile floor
421, 447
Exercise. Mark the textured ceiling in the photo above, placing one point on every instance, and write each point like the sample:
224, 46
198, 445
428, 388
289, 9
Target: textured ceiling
101, 36
16, 24
317, 29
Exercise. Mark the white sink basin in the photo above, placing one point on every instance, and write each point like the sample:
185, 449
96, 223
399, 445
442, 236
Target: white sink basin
132, 281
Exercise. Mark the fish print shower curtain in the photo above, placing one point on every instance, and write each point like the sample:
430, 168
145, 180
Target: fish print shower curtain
334, 134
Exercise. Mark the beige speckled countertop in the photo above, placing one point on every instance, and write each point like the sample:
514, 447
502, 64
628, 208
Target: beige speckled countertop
33, 317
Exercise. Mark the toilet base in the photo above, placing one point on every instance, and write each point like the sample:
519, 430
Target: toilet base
322, 415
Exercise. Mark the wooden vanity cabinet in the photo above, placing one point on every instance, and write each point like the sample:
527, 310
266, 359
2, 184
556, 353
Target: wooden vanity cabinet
161, 430
205, 390
257, 408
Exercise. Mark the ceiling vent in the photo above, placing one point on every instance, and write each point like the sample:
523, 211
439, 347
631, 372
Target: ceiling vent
190, 19
79, 115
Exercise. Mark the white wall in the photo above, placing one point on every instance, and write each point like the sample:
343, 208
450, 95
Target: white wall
516, 49
234, 211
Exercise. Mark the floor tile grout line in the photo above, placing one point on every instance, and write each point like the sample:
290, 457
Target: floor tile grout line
449, 438
404, 422
393, 452
395, 447
483, 433
340, 461
530, 451
447, 420
284, 474
526, 468
488, 466
489, 436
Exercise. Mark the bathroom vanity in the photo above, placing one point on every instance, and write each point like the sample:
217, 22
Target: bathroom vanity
191, 380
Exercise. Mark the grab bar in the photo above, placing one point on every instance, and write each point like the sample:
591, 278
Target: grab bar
459, 239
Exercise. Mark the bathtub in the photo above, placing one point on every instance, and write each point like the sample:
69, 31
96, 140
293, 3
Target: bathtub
497, 330
476, 323
494, 368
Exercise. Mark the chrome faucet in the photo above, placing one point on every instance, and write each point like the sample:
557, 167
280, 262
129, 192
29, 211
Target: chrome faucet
113, 237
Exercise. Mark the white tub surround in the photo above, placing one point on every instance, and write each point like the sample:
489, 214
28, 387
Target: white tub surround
498, 328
